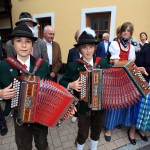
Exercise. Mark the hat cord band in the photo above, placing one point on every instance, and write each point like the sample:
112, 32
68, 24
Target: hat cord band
26, 19
22, 32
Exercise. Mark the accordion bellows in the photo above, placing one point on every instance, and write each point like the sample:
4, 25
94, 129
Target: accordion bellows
117, 87
42, 101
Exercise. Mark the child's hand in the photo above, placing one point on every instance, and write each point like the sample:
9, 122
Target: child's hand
76, 85
8, 92
70, 112
114, 61
143, 70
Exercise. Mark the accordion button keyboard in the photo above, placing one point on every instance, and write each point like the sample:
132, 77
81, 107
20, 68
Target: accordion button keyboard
83, 90
16, 85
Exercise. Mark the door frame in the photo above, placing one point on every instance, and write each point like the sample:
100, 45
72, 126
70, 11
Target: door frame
36, 16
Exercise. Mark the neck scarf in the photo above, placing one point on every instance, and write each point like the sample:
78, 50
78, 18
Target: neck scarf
124, 42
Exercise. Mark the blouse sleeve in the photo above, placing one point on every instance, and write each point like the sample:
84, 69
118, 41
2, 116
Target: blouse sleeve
114, 50
132, 53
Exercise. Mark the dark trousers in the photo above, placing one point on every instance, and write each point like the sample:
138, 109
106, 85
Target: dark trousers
24, 135
54, 79
2, 117
86, 123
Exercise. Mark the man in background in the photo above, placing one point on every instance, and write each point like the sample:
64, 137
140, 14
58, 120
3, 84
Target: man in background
103, 46
53, 50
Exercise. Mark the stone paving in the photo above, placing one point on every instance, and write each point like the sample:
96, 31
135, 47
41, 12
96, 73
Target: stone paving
63, 138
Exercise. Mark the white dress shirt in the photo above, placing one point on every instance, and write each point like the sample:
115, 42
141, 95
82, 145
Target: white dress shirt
106, 46
90, 63
27, 63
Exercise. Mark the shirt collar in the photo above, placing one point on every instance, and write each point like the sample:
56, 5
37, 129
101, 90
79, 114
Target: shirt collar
106, 41
47, 42
27, 63
91, 62
144, 43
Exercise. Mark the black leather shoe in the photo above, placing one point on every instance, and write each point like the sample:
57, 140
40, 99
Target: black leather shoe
133, 141
107, 138
144, 138
4, 129
118, 126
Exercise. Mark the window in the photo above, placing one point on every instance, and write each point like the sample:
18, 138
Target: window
109, 12
100, 22
43, 20
6, 20
42, 23
5, 33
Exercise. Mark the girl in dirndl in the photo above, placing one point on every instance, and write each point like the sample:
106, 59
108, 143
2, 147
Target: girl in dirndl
120, 49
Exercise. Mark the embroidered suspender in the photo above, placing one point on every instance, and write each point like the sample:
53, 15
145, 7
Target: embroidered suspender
98, 59
14, 62
38, 63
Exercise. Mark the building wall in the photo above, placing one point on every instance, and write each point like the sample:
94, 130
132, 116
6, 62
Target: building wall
67, 15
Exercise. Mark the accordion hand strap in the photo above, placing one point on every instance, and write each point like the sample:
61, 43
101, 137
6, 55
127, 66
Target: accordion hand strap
14, 62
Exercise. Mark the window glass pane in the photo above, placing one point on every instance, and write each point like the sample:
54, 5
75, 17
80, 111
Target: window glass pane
2, 8
94, 23
103, 22
100, 22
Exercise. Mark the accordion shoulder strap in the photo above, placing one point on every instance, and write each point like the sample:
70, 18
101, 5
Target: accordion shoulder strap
97, 60
38, 63
14, 62
81, 61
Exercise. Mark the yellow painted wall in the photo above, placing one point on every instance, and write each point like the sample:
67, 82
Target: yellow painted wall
68, 15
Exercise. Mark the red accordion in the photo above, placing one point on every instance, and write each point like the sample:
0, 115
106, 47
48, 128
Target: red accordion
42, 101
116, 87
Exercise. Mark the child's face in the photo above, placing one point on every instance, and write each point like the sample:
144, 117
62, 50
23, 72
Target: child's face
87, 51
126, 34
23, 46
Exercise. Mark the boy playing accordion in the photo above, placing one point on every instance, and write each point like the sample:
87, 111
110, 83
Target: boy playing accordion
23, 39
87, 119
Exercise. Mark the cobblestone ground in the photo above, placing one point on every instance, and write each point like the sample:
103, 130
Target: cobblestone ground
63, 138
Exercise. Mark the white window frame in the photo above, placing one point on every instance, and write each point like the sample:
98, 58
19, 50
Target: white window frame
111, 9
44, 15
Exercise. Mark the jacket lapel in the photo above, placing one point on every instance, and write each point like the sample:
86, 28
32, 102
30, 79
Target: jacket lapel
81, 67
32, 63
53, 52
